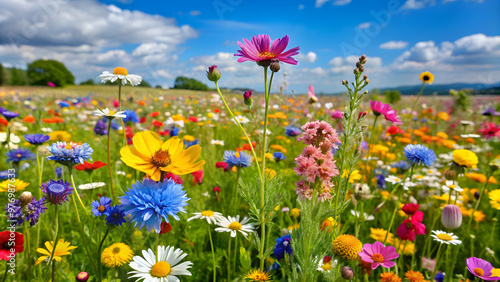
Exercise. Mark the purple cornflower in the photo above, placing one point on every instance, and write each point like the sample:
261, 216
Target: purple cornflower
8, 114
56, 192
101, 207
30, 212
36, 139
116, 216
100, 128
17, 155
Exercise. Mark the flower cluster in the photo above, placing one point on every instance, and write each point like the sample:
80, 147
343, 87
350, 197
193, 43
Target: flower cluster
69, 154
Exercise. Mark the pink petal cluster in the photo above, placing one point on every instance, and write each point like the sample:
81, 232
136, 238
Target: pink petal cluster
379, 108
261, 50
412, 226
490, 130
316, 164
377, 254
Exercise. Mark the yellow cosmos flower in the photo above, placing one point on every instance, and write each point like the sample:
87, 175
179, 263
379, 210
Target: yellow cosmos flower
427, 77
62, 249
153, 156
18, 185
495, 199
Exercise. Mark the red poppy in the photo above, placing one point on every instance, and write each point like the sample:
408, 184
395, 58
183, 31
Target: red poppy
247, 146
164, 133
10, 241
154, 114
115, 103
128, 132
216, 111
157, 123
198, 176
410, 209
3, 121
193, 119
141, 103
165, 227
222, 165
143, 119
393, 130
89, 167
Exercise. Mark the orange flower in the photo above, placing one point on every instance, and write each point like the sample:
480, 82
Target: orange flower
53, 120
443, 115
3, 121
29, 118
141, 103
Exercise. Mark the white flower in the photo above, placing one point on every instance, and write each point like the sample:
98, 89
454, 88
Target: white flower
242, 119
408, 184
329, 105
466, 122
163, 269
432, 171
210, 216
470, 135
121, 172
365, 216
122, 74
13, 141
325, 265
233, 225
393, 179
109, 114
446, 158
445, 238
261, 131
46, 129
170, 122
451, 185
217, 142
90, 186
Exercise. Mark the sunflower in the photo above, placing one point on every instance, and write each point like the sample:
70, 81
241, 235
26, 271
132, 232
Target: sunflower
117, 254
258, 275
347, 246
427, 77
153, 156
62, 249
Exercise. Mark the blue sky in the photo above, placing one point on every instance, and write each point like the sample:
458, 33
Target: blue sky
459, 41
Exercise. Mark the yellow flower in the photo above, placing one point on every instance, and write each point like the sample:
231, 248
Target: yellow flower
18, 185
153, 156
464, 157
271, 173
59, 135
427, 77
347, 246
443, 115
117, 254
441, 134
379, 234
495, 199
405, 247
295, 212
258, 275
189, 138
62, 249
355, 176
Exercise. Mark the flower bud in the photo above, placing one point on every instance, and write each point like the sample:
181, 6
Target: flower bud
275, 65
451, 217
347, 273
82, 276
367, 81
213, 74
247, 98
25, 198
476, 195
355, 71
362, 115
450, 174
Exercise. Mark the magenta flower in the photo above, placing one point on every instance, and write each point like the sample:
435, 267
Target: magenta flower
377, 254
337, 114
379, 108
411, 227
481, 268
259, 50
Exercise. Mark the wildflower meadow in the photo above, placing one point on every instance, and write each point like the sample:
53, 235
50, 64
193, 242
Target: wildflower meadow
126, 185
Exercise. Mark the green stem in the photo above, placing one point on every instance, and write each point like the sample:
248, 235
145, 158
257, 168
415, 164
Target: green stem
414, 104
229, 260
75, 192
28, 247
109, 164
5, 273
235, 252
157, 243
437, 258
54, 245
120, 109
99, 253
369, 149
213, 253
82, 233
393, 214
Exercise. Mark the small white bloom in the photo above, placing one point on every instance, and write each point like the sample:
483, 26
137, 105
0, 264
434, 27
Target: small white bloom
210, 216
109, 114
165, 268
171, 122
121, 173
242, 119
365, 216
445, 238
13, 141
328, 105
217, 142
466, 122
122, 74
90, 186
393, 179
451, 185
233, 225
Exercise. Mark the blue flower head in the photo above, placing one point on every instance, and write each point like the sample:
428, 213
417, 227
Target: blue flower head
56, 192
131, 117
17, 155
101, 207
36, 139
150, 202
401, 165
30, 212
278, 156
240, 159
190, 143
380, 180
419, 154
59, 172
292, 131
8, 114
101, 128
116, 216
282, 246
70, 154
174, 131
64, 104
6, 174
439, 277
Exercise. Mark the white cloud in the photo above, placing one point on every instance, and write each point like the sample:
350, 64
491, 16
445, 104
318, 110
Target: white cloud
195, 13
394, 45
364, 25
308, 58
320, 3
302, 7
341, 2
417, 4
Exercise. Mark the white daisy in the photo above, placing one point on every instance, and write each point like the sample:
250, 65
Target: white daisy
90, 186
109, 114
233, 225
326, 264
451, 185
170, 122
210, 216
393, 179
407, 184
365, 216
466, 122
470, 135
217, 142
122, 74
163, 269
242, 119
445, 238
13, 140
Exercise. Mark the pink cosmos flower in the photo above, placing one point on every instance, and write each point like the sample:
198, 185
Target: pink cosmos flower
379, 108
337, 115
429, 264
491, 130
377, 254
481, 268
261, 50
51, 84
411, 227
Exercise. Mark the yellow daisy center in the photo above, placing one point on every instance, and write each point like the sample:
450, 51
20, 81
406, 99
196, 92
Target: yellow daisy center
444, 237
101, 208
266, 55
377, 258
161, 158
236, 226
18, 155
397, 179
327, 266
120, 70
116, 250
236, 155
208, 213
478, 271
160, 269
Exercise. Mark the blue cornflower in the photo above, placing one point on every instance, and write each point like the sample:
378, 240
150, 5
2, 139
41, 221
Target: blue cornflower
423, 120
380, 180
101, 207
17, 155
116, 216
8, 114
101, 128
30, 212
174, 131
70, 154
64, 104
282, 246
36, 139
419, 154
56, 192
292, 131
150, 201
402, 165
240, 159
131, 117
278, 156
490, 112
59, 172
439, 277
6, 174
189, 144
